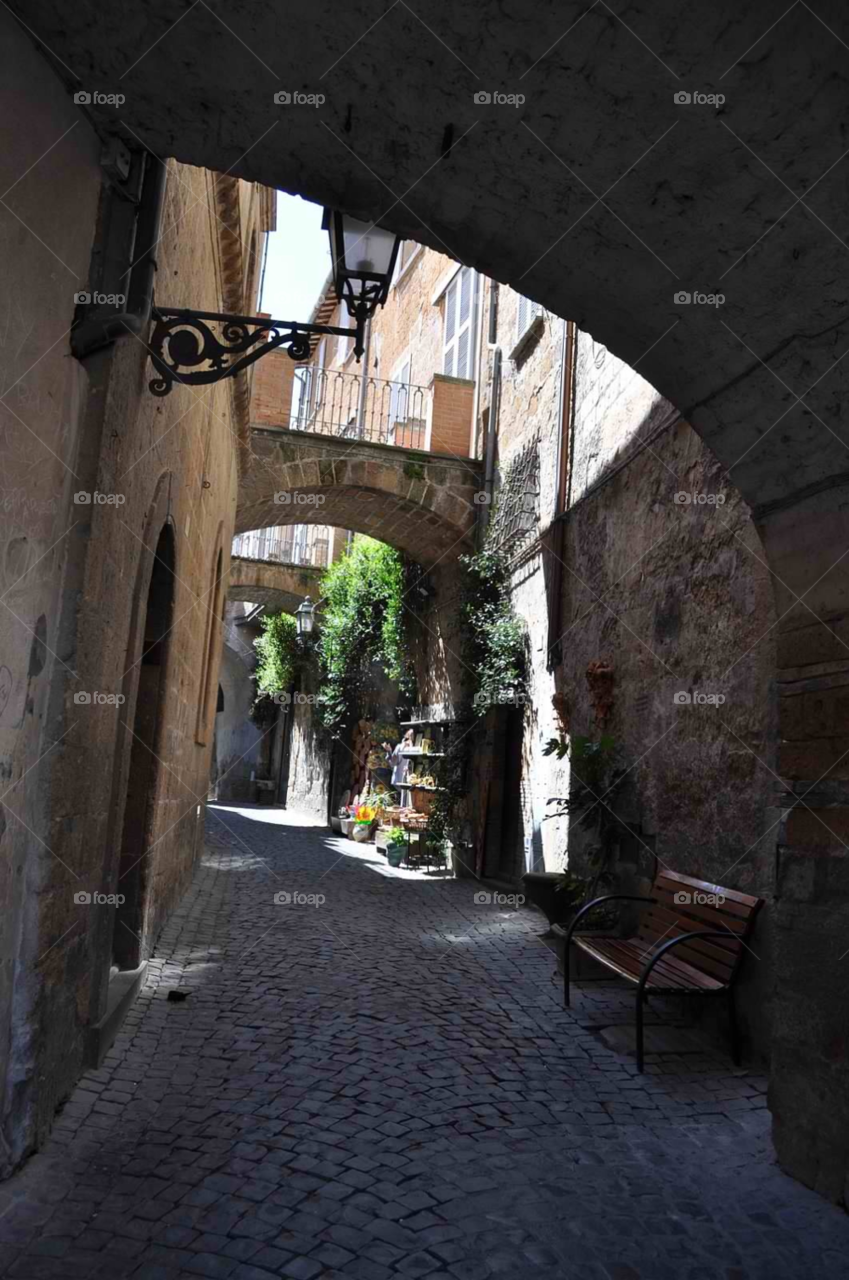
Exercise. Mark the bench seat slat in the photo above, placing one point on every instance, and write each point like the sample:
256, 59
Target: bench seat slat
700, 953
697, 917
627, 956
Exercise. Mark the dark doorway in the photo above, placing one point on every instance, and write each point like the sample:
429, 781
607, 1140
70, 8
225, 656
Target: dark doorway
504, 812
145, 764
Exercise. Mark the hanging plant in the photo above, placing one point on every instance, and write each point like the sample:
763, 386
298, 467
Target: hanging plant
494, 645
278, 663
363, 625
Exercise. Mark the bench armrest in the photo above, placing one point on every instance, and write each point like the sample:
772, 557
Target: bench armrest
673, 942
608, 897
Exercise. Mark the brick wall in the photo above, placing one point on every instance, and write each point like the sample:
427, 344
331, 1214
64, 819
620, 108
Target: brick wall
451, 404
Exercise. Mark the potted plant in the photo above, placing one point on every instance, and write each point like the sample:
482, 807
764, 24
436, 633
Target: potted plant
396, 846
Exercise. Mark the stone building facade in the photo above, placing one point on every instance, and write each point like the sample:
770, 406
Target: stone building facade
117, 514
631, 555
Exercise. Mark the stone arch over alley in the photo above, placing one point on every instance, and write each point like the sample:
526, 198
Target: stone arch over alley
280, 587
420, 504
695, 238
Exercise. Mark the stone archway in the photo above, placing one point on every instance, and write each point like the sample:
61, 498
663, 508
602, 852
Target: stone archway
421, 503
610, 191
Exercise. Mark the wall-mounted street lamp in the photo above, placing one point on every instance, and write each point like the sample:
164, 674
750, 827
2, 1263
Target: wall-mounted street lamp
184, 347
305, 618
363, 257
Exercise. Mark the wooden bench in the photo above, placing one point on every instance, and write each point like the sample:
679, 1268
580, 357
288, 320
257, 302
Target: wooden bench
689, 942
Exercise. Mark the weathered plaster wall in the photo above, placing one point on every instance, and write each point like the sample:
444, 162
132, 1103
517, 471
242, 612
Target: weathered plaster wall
42, 396
240, 745
309, 763
75, 578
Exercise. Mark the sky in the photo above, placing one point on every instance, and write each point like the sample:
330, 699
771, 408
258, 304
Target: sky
298, 260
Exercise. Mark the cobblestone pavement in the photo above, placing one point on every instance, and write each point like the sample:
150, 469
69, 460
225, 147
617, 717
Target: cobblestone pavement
386, 1085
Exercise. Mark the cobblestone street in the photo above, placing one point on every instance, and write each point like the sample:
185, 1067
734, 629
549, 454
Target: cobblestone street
386, 1084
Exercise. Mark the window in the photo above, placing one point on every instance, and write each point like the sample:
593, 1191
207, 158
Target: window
526, 314
407, 253
399, 394
458, 321
344, 346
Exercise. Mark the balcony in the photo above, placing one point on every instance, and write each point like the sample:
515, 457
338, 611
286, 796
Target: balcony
299, 544
436, 418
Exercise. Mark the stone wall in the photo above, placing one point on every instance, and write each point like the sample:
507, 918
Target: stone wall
76, 578
241, 746
663, 579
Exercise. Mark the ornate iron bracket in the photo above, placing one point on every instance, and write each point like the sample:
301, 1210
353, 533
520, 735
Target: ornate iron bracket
185, 349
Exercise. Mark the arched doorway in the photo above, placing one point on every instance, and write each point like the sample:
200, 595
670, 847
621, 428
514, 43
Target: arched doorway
145, 762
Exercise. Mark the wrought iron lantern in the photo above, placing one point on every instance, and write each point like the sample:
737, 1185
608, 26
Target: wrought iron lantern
363, 257
196, 348
305, 618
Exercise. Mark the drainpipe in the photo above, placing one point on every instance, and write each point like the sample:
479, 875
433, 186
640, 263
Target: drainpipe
476, 402
101, 330
492, 426
556, 531
363, 397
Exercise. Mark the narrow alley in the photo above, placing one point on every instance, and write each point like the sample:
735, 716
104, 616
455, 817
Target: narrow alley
342, 1069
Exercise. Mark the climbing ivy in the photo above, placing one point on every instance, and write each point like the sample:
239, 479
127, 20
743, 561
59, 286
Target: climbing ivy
494, 644
362, 623
277, 654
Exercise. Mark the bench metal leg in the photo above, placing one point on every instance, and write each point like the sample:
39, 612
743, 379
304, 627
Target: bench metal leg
640, 1000
735, 1030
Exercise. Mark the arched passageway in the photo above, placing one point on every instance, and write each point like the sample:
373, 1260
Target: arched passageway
622, 193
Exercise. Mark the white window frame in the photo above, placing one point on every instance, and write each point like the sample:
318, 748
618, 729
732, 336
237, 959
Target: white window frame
527, 312
451, 302
401, 271
395, 396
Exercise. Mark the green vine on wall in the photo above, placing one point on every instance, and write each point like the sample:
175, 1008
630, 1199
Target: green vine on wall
494, 642
362, 623
278, 660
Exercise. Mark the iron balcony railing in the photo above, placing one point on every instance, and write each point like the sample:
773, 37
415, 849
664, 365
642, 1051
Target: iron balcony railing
334, 403
301, 544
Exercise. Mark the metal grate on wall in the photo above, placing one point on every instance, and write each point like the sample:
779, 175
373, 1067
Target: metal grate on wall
515, 518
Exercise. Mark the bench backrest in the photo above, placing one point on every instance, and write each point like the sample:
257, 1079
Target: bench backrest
685, 905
